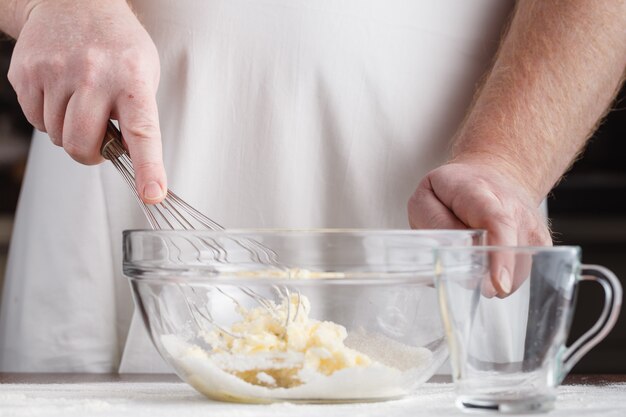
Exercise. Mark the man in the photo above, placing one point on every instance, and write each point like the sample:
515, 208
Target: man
288, 114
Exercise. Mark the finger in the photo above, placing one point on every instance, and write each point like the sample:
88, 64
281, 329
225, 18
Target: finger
31, 102
487, 289
426, 211
502, 233
485, 211
502, 271
523, 266
85, 123
29, 94
535, 232
139, 123
54, 107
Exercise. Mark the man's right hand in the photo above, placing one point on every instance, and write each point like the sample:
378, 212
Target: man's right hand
76, 65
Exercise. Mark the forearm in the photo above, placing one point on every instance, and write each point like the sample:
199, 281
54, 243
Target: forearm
557, 72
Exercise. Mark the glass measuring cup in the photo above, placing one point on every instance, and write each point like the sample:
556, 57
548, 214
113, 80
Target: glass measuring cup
509, 354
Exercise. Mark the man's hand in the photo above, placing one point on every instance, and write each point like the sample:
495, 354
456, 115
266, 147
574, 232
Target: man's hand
556, 73
78, 64
478, 194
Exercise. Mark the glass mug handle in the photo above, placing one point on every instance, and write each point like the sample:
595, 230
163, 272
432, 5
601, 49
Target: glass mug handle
608, 317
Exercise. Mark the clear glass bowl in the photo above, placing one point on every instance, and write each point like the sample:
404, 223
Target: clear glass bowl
293, 315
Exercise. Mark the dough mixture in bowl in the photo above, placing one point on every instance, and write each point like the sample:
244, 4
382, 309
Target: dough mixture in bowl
281, 353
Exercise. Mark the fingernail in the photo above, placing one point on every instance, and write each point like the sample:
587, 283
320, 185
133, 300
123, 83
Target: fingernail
152, 191
505, 280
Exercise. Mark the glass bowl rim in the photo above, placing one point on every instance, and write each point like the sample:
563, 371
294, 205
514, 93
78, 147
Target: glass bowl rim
311, 231
147, 272
502, 248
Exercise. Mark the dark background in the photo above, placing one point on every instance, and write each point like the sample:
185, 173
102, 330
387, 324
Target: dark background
588, 208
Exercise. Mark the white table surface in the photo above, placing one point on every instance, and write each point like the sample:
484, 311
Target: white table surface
137, 398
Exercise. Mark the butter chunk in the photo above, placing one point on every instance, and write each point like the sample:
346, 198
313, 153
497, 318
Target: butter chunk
280, 345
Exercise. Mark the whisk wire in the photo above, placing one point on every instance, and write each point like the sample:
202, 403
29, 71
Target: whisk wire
174, 213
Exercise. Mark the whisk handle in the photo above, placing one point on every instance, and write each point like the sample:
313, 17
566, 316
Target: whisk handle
112, 135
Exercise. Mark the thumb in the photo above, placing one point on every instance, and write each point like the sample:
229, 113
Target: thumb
139, 123
503, 261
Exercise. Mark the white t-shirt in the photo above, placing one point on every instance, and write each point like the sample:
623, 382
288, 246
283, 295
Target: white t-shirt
288, 113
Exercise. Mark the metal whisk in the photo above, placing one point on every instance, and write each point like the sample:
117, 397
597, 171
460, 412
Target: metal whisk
173, 213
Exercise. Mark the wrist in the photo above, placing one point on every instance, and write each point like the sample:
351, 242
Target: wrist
499, 164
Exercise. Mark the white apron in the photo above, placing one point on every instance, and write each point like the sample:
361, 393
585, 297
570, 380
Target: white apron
282, 113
